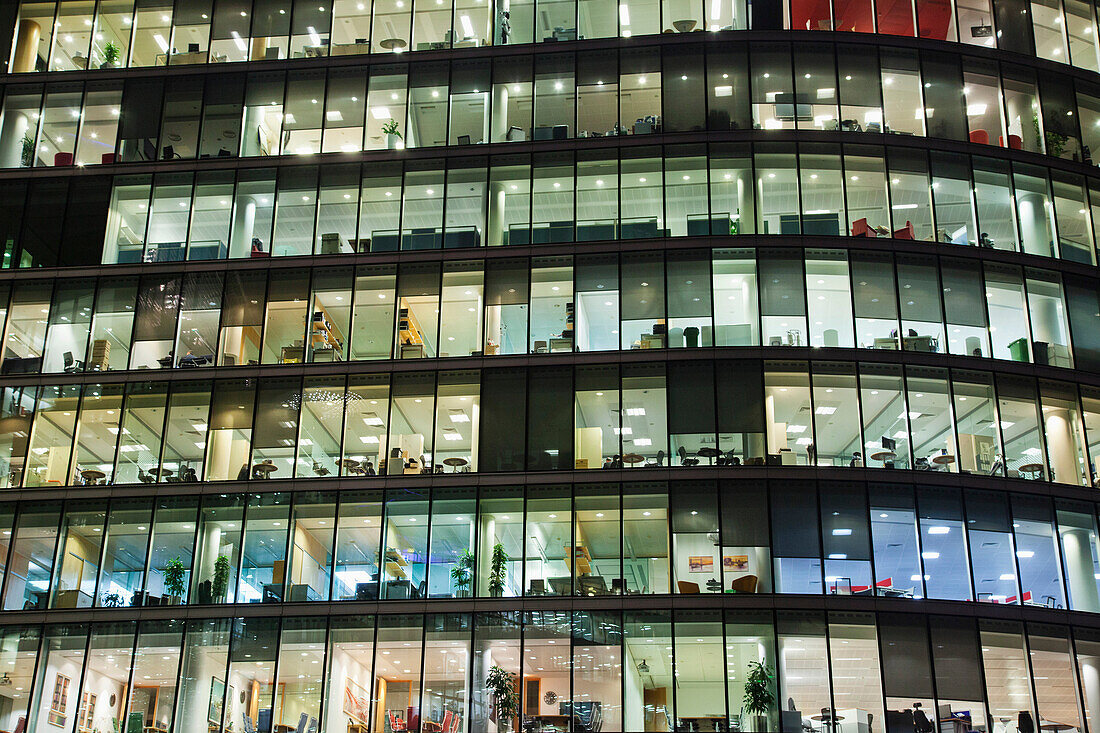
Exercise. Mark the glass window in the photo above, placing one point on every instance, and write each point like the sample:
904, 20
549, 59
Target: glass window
853, 639
217, 549
549, 533
1020, 425
836, 415
229, 431
299, 685
782, 298
921, 308
977, 424
787, 405
943, 546
797, 554
171, 549
500, 545
51, 441
895, 542
263, 551
202, 671
125, 553
32, 558
885, 417
398, 645
964, 306
358, 543
992, 549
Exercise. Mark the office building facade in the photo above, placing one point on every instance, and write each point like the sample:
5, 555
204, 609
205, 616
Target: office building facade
697, 365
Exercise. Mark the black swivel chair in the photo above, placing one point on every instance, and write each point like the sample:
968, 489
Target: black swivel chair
685, 460
1025, 723
71, 364
921, 723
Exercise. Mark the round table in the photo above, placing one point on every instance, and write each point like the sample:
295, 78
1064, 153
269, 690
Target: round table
1051, 725
884, 455
393, 44
455, 463
265, 468
683, 26
943, 459
161, 472
91, 475
829, 721
632, 458
352, 465
709, 453
1032, 468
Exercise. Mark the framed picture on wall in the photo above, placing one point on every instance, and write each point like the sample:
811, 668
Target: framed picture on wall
59, 702
356, 702
86, 714
735, 562
217, 699
701, 563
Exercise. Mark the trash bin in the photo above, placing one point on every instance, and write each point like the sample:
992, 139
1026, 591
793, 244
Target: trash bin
1018, 349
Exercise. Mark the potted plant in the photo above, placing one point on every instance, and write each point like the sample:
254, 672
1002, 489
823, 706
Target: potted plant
497, 571
220, 583
112, 600
26, 158
393, 135
758, 699
462, 573
173, 581
501, 686
111, 55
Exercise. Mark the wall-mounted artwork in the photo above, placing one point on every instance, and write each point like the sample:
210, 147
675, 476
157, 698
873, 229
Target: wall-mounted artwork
59, 703
739, 563
701, 563
217, 699
356, 702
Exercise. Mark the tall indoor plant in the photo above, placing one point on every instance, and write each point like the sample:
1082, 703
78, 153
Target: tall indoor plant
462, 573
393, 135
173, 581
501, 686
220, 583
758, 699
497, 571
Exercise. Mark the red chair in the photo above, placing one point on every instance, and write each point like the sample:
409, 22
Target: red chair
396, 723
979, 136
1014, 142
107, 158
860, 228
905, 232
63, 159
456, 724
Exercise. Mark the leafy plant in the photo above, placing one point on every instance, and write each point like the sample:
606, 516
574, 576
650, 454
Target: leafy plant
27, 157
463, 571
497, 570
220, 583
173, 577
758, 697
111, 53
390, 128
501, 686
112, 600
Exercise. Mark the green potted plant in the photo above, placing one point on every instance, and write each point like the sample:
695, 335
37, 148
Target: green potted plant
174, 572
758, 699
501, 686
111, 55
112, 600
393, 135
462, 573
497, 571
220, 582
26, 159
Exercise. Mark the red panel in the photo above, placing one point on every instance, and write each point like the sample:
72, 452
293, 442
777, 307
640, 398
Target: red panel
810, 15
934, 17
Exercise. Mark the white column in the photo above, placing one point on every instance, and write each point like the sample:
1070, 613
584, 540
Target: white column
244, 225
1090, 680
1079, 570
1063, 458
500, 112
15, 127
497, 200
1034, 237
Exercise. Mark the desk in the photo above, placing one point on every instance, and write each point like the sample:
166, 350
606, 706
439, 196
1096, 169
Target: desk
953, 725
455, 463
705, 723
265, 469
828, 721
1055, 726
1031, 468
283, 728
358, 727
709, 453
352, 465
161, 472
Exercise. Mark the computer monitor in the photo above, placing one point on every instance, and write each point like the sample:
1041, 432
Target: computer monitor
889, 443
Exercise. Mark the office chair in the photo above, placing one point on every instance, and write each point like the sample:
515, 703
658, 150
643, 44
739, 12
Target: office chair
71, 364
684, 459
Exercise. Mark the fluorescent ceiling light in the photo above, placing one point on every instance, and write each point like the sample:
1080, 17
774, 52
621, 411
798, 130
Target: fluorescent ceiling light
380, 113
